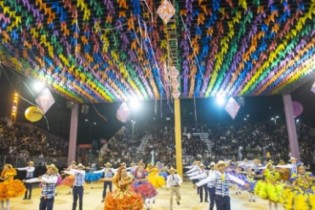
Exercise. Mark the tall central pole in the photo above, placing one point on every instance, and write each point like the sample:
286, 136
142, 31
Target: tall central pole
178, 137
73, 133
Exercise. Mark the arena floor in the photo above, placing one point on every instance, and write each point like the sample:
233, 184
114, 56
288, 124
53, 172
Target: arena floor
92, 200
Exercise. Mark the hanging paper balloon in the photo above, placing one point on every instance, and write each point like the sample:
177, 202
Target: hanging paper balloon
297, 108
175, 84
33, 114
123, 113
176, 94
173, 72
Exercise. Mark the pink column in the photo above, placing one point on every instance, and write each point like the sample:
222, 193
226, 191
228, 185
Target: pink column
288, 109
73, 133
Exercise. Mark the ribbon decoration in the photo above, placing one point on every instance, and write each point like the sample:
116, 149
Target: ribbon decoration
110, 50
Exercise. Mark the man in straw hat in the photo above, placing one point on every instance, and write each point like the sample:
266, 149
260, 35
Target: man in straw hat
209, 183
79, 174
293, 167
221, 181
49, 181
29, 175
201, 175
173, 183
108, 178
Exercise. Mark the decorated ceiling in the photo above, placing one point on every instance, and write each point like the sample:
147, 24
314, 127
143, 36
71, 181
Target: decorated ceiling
94, 51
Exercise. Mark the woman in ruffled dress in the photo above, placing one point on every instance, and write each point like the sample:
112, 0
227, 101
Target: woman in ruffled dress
92, 177
10, 187
154, 177
250, 179
301, 194
143, 186
69, 179
123, 197
271, 187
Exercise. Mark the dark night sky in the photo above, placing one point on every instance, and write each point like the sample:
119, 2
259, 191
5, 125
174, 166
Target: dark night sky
259, 108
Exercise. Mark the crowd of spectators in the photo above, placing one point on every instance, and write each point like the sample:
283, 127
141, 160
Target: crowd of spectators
21, 142
236, 141
122, 147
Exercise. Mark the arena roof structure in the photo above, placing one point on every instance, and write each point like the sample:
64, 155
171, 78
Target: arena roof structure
93, 51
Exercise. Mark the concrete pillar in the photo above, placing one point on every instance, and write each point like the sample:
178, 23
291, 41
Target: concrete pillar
291, 127
73, 133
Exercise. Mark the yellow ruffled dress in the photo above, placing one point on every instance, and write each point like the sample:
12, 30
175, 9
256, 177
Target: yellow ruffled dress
10, 187
270, 188
155, 179
301, 195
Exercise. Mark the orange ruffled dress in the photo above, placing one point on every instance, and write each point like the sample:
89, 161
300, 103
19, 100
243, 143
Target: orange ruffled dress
123, 198
10, 188
68, 181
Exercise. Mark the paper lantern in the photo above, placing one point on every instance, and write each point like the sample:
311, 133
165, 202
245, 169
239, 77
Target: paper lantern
123, 113
232, 107
174, 72
297, 108
176, 94
166, 11
33, 114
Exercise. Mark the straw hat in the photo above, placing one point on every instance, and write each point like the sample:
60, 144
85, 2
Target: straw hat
292, 158
141, 164
211, 164
108, 164
300, 165
172, 170
221, 162
80, 166
9, 166
52, 167
269, 163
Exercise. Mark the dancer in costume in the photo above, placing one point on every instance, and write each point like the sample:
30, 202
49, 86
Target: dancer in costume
221, 181
173, 184
143, 186
10, 187
193, 171
164, 172
78, 189
293, 168
270, 188
108, 178
123, 197
92, 177
239, 173
154, 177
29, 174
132, 167
48, 183
250, 179
196, 178
69, 179
301, 195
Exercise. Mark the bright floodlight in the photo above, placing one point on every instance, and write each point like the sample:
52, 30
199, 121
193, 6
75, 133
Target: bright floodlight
135, 104
38, 86
220, 99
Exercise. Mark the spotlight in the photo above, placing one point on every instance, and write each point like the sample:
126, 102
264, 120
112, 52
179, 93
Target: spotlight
135, 104
38, 86
220, 99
